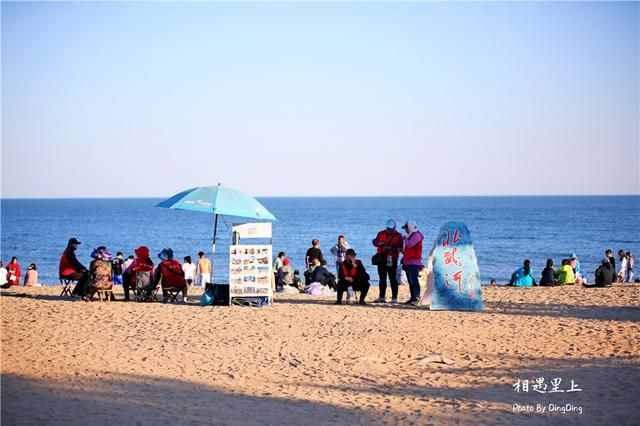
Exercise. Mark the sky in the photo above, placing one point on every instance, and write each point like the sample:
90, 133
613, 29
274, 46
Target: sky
127, 99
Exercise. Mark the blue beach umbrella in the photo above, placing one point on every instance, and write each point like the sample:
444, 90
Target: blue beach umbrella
218, 200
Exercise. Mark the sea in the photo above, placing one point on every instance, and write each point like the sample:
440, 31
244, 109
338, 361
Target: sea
505, 230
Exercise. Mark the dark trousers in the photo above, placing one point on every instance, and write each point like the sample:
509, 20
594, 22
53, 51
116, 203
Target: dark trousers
83, 282
343, 285
383, 272
126, 283
412, 276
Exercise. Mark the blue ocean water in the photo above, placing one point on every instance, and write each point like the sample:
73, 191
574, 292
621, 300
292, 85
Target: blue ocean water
505, 230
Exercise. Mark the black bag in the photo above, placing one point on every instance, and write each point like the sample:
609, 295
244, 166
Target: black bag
378, 259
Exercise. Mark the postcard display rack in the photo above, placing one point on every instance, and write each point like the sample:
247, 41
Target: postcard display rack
250, 269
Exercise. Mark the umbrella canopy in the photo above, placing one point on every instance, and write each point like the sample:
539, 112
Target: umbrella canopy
218, 200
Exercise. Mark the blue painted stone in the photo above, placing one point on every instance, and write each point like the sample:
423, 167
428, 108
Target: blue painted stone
456, 276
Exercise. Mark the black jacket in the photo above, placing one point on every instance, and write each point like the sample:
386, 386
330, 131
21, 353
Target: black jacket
548, 277
605, 275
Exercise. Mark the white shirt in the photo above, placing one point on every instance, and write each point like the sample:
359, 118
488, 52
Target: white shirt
189, 269
3, 275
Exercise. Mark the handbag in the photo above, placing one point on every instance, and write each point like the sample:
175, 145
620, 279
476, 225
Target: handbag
378, 259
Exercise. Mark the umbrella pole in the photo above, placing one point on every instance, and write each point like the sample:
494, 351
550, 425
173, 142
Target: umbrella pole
213, 247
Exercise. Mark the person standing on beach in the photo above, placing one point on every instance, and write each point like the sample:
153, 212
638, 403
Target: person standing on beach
127, 263
314, 252
339, 251
203, 269
189, 270
623, 265
13, 269
630, 263
118, 268
612, 259
412, 259
388, 244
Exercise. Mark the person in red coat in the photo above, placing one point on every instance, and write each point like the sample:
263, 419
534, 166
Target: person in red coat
169, 272
388, 244
141, 263
13, 272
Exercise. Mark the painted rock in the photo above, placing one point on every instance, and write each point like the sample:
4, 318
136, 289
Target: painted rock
455, 276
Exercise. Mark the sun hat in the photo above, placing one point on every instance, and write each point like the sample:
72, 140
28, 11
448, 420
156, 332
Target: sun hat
391, 224
285, 262
142, 252
101, 253
166, 254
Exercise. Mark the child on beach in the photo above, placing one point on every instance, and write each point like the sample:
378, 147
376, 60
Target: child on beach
189, 270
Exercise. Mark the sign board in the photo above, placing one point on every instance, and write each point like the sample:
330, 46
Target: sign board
456, 277
253, 230
250, 271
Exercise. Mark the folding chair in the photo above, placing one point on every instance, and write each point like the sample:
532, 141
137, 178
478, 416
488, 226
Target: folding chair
143, 291
67, 284
172, 294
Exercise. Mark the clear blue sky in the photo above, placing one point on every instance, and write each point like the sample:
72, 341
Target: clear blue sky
141, 99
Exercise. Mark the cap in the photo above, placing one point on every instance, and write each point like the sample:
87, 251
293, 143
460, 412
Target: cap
74, 241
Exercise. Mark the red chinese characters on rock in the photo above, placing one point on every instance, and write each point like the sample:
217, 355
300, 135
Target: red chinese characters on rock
449, 240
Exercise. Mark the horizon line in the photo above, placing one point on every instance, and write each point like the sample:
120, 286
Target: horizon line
128, 197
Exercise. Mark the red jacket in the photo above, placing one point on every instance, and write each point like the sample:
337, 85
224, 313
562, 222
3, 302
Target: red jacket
13, 273
388, 243
69, 264
171, 273
138, 265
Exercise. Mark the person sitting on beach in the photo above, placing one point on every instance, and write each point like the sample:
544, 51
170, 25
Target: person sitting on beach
522, 277
100, 272
286, 276
352, 274
139, 274
13, 269
314, 252
605, 274
548, 278
577, 269
565, 275
31, 277
4, 283
71, 269
170, 274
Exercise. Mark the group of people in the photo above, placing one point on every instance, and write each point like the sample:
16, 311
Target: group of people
136, 273
393, 249
11, 273
570, 272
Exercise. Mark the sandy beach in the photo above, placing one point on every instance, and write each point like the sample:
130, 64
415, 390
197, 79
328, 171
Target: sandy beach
305, 361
